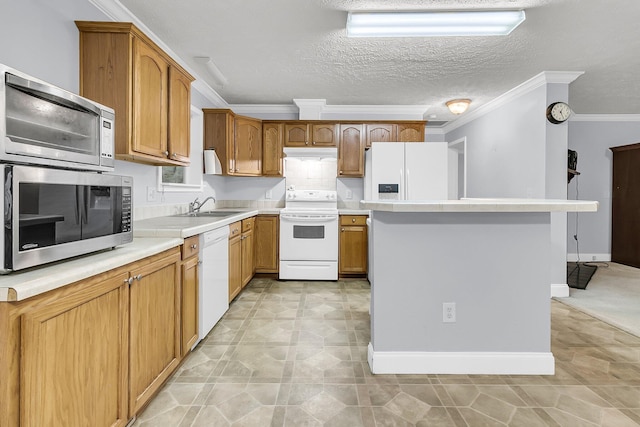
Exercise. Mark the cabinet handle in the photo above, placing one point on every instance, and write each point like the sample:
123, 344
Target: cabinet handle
128, 281
306, 143
138, 277
174, 155
342, 229
314, 143
194, 246
353, 220
166, 153
340, 172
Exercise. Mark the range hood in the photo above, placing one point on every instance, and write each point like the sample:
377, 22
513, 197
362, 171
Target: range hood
311, 152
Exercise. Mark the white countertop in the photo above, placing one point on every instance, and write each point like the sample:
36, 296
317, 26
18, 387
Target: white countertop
24, 284
187, 226
481, 205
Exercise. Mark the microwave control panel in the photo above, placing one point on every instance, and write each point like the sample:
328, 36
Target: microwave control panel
126, 209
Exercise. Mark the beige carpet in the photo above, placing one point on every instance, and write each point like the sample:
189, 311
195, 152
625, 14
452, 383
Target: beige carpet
612, 295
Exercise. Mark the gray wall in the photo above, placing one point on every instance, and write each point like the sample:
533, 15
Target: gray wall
592, 139
505, 149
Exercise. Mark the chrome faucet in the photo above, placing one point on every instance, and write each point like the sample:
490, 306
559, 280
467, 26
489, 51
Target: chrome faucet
196, 205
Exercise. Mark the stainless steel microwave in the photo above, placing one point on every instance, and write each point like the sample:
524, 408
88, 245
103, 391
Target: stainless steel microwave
53, 214
43, 124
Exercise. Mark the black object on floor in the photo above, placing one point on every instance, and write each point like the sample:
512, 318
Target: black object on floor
579, 274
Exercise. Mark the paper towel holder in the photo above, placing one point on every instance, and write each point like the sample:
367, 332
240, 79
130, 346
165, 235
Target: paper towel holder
212, 165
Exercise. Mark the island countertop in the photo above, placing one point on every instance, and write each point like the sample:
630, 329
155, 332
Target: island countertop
481, 205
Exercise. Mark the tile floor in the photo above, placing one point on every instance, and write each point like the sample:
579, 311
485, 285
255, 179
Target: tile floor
294, 354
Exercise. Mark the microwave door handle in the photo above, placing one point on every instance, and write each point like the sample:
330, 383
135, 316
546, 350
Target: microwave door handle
85, 205
78, 203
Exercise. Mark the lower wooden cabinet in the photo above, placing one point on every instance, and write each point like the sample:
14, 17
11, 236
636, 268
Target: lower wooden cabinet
266, 243
248, 266
94, 352
72, 350
353, 245
154, 315
189, 294
235, 259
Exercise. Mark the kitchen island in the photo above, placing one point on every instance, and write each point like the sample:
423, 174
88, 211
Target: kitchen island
462, 286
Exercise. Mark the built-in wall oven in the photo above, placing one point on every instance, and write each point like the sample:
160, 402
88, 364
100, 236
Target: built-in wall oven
309, 236
52, 214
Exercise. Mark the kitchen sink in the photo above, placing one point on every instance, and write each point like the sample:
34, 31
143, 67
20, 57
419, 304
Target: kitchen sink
212, 214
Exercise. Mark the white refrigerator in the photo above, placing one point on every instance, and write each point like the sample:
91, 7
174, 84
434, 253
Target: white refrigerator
408, 171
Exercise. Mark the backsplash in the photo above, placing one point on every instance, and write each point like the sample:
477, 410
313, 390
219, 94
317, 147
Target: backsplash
311, 173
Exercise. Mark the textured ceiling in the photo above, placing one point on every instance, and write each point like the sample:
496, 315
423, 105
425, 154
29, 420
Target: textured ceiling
274, 51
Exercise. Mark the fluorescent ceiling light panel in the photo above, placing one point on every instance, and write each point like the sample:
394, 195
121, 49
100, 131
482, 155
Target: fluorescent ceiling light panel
432, 24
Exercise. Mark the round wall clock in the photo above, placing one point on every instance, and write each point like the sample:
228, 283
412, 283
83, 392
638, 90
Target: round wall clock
558, 112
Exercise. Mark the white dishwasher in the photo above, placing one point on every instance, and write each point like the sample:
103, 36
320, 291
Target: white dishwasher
214, 278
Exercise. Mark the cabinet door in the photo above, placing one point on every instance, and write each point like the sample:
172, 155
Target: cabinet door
379, 133
235, 266
150, 79
266, 244
179, 122
189, 303
296, 134
219, 134
154, 298
248, 265
353, 247
410, 132
73, 365
272, 143
324, 135
351, 151
248, 146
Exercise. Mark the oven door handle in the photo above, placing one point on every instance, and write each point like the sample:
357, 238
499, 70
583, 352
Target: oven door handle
308, 218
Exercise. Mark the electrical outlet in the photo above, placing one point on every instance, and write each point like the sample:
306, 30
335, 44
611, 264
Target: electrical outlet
151, 194
593, 257
448, 312
268, 194
349, 194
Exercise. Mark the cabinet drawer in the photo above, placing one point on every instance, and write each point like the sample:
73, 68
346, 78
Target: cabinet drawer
235, 229
190, 246
353, 219
248, 224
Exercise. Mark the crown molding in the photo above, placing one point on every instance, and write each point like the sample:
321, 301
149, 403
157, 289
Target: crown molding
264, 108
116, 11
545, 77
605, 118
350, 112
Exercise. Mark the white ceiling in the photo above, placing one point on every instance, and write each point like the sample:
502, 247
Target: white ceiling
274, 51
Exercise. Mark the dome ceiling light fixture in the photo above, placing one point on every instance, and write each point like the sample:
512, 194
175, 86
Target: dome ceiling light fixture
458, 106
433, 24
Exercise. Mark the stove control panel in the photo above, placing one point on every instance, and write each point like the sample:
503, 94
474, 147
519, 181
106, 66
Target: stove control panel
312, 195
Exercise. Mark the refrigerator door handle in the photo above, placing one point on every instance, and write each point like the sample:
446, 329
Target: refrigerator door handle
401, 192
406, 185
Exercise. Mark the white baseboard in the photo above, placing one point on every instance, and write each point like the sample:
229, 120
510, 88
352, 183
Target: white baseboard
559, 290
484, 363
589, 257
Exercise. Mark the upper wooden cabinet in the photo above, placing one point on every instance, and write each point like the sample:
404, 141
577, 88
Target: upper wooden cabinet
236, 139
394, 132
272, 143
151, 93
309, 134
351, 150
410, 132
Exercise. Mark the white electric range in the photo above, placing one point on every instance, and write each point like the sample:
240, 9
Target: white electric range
309, 235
